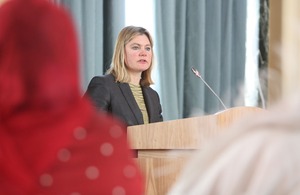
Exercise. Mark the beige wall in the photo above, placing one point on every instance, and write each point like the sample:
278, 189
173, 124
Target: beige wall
291, 46
284, 49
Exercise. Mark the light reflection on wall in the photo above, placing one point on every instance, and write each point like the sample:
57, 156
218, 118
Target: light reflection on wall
252, 85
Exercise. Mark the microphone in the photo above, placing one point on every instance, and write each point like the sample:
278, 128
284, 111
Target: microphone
196, 72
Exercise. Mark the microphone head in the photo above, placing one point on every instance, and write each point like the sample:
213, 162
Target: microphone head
195, 71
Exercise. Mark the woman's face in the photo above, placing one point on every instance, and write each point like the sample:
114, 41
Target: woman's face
138, 54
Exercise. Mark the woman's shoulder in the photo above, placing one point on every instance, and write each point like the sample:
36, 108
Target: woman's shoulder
109, 78
150, 90
104, 77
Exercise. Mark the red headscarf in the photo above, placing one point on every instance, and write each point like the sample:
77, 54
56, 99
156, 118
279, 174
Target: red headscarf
51, 140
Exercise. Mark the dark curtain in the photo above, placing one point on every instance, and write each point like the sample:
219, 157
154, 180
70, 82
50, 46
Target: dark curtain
98, 23
263, 46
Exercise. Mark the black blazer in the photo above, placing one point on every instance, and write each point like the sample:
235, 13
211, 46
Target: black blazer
117, 98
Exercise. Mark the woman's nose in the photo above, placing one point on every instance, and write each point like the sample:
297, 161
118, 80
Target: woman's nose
143, 52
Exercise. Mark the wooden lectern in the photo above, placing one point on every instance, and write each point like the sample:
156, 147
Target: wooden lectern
164, 147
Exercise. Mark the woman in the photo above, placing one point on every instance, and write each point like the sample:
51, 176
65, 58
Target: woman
53, 141
125, 91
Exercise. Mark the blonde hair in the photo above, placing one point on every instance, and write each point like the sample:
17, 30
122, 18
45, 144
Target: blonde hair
118, 67
258, 156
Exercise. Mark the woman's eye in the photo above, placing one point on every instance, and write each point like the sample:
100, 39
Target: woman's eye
135, 47
148, 48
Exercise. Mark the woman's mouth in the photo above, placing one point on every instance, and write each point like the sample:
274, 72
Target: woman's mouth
142, 61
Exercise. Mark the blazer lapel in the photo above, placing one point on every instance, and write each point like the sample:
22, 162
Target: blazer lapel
149, 102
127, 93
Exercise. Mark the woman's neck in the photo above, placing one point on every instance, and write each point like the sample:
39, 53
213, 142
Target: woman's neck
135, 79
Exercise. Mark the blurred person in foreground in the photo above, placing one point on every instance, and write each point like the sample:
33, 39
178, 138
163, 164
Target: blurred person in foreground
258, 156
125, 90
52, 141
